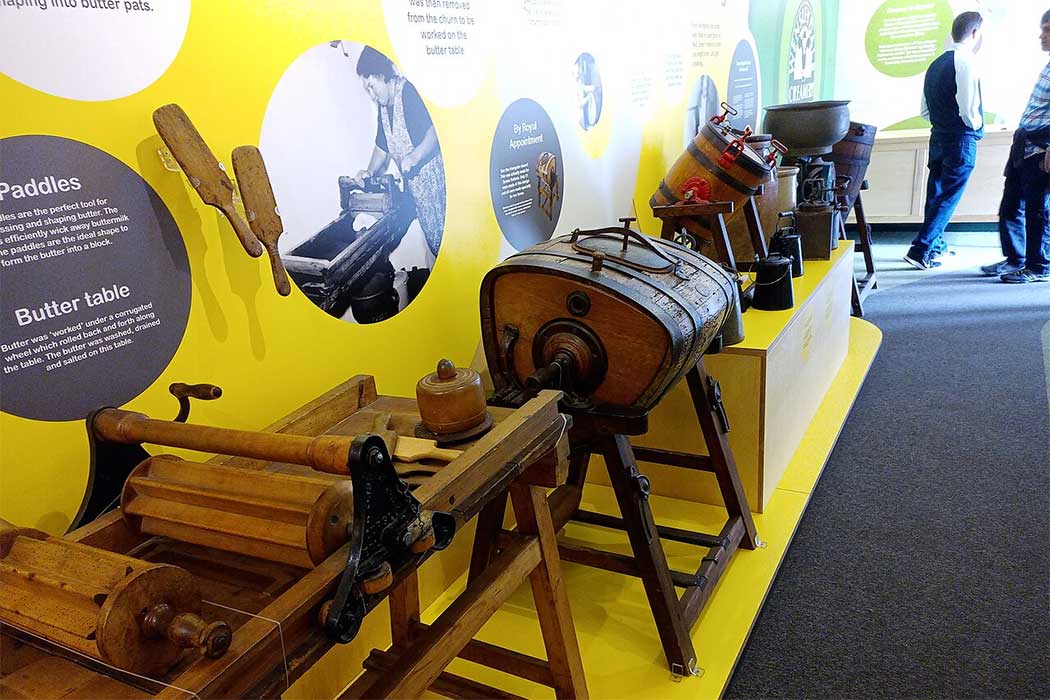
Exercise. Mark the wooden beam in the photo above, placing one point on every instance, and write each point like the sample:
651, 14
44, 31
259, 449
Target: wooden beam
447, 684
548, 591
711, 569
463, 478
616, 563
506, 660
404, 609
421, 664
684, 460
674, 534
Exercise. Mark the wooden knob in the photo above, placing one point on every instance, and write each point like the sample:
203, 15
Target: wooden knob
187, 630
446, 370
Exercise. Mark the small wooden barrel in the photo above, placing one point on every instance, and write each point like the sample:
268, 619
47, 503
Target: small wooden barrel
851, 156
632, 328
128, 613
733, 173
297, 520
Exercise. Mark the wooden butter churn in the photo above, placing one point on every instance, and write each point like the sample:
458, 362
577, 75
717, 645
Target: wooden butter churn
615, 319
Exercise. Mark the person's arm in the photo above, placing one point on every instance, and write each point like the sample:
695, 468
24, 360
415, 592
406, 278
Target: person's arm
968, 90
420, 130
924, 108
421, 153
377, 165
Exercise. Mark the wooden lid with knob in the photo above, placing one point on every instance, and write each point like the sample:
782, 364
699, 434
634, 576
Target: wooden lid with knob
451, 400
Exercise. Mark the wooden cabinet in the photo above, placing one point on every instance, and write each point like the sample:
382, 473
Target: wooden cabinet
897, 176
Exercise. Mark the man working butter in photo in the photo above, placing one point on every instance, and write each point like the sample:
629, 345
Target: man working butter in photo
951, 100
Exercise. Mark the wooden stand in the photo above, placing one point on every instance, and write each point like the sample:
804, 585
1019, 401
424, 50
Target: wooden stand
419, 654
864, 286
706, 221
607, 435
280, 636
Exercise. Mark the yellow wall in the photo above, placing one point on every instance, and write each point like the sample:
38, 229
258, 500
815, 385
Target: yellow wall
271, 354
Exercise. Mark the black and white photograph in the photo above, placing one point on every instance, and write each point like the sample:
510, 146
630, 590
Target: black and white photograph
588, 91
358, 174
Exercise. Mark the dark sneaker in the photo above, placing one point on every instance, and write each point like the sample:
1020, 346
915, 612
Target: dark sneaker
1024, 277
1003, 267
921, 263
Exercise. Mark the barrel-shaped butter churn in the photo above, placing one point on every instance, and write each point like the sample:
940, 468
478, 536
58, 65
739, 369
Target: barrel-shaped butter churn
851, 156
722, 157
610, 316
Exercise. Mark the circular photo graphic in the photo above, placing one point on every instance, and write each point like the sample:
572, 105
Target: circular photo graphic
526, 174
702, 105
588, 91
359, 178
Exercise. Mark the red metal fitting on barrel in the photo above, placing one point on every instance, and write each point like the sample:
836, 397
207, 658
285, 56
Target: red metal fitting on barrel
731, 153
727, 110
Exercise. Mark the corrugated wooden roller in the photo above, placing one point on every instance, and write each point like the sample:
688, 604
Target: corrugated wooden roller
297, 520
131, 614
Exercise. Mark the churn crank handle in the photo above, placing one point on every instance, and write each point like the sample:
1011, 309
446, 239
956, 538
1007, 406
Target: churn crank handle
185, 392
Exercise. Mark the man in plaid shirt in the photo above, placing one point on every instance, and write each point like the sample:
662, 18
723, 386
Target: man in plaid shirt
1024, 214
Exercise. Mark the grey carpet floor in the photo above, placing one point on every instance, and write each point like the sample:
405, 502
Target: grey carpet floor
921, 568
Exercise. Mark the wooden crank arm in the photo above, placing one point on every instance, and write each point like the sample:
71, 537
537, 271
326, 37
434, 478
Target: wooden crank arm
325, 453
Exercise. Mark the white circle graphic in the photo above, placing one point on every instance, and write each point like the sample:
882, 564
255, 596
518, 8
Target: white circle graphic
91, 50
444, 46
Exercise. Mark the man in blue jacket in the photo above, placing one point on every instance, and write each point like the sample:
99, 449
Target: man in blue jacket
951, 100
1024, 221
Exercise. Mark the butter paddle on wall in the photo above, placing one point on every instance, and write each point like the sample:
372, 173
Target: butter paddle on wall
261, 208
203, 170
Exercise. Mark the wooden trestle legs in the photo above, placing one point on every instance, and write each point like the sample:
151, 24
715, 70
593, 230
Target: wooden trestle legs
707, 221
864, 286
607, 436
420, 652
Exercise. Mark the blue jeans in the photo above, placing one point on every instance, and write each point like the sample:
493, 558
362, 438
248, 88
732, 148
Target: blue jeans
951, 161
1024, 224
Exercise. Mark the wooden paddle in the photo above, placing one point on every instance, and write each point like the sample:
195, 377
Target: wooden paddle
410, 449
261, 208
203, 170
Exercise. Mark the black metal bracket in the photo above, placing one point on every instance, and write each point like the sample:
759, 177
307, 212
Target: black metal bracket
716, 401
110, 465
388, 521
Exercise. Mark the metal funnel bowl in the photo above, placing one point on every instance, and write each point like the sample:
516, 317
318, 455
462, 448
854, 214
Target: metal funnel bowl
808, 128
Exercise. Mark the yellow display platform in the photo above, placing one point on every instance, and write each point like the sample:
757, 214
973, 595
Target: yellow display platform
621, 650
772, 383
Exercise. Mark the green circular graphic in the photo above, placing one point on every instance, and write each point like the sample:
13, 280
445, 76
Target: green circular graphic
904, 36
